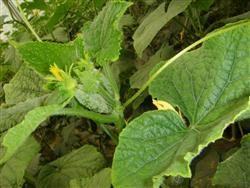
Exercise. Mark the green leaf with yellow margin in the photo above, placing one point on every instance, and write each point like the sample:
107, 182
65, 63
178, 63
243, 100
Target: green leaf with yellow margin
211, 86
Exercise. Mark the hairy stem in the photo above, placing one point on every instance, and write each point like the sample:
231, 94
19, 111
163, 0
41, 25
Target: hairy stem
171, 60
87, 114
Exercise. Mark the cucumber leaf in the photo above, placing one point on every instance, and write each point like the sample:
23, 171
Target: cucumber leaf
145, 148
233, 172
102, 37
40, 55
214, 79
211, 86
80, 163
11, 174
100, 180
26, 84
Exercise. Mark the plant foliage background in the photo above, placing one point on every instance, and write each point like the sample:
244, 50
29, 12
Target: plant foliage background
130, 94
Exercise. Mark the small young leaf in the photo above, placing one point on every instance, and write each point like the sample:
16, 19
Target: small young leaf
234, 171
40, 55
11, 174
92, 101
100, 180
94, 89
81, 163
103, 36
151, 25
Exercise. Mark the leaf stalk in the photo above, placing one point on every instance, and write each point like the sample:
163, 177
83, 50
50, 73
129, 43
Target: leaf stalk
25, 20
87, 114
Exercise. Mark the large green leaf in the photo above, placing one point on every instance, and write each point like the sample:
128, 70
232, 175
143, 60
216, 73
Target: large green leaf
234, 171
15, 114
83, 162
158, 143
40, 55
211, 86
17, 135
208, 82
145, 148
26, 84
100, 180
11, 174
103, 36
153, 23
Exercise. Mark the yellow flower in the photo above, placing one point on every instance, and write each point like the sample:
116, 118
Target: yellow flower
56, 72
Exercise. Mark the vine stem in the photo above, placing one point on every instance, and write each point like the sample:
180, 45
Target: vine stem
25, 20
87, 114
171, 60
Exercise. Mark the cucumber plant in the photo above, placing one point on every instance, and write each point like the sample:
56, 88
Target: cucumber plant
209, 85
